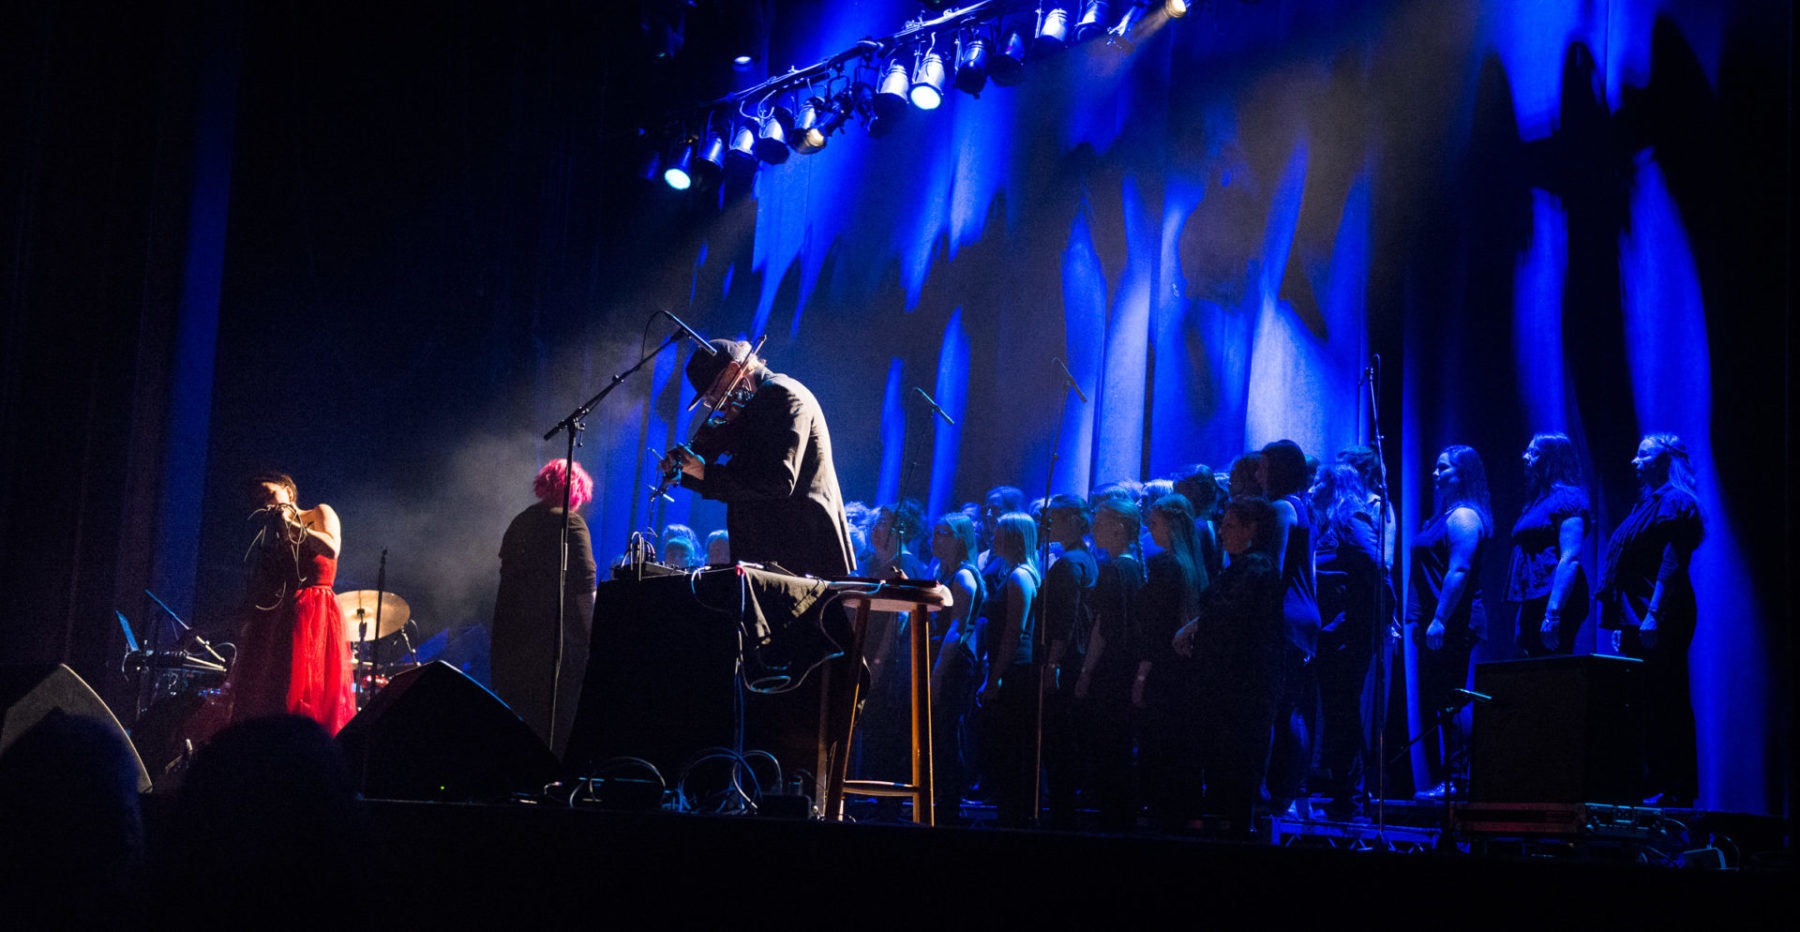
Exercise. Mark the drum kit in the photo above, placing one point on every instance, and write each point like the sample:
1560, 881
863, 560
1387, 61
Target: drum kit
184, 696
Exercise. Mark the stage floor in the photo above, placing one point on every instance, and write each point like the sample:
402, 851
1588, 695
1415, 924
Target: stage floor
527, 862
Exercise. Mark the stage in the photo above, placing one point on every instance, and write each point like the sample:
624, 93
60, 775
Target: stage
537, 863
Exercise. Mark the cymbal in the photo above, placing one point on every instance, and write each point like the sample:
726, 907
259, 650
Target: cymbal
394, 612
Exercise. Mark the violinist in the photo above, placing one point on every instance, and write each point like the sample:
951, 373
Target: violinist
766, 453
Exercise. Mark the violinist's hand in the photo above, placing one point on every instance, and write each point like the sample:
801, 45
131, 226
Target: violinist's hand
680, 459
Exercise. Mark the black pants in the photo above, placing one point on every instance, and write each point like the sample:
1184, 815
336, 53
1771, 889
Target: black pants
1441, 673
1233, 747
1168, 748
1064, 756
1342, 668
1296, 722
1107, 725
1009, 733
1672, 764
951, 735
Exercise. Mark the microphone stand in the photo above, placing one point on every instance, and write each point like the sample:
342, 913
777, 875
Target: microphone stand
1040, 647
573, 425
368, 738
1378, 629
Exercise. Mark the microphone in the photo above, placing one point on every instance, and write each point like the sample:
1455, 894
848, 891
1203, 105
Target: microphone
934, 406
689, 331
1472, 696
1071, 380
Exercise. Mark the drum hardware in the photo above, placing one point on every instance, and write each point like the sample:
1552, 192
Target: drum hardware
363, 607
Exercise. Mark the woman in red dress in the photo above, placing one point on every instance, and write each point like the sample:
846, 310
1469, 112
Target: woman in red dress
292, 654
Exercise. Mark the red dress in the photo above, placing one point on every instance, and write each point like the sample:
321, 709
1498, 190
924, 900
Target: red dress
294, 658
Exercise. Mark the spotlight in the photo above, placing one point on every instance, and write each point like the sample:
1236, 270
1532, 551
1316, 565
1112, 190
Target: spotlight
709, 159
1053, 32
809, 126
1093, 21
1176, 8
678, 171
1008, 68
742, 157
742, 63
928, 82
972, 66
771, 143
890, 98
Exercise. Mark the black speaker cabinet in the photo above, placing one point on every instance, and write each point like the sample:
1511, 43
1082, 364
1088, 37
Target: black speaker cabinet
1559, 730
29, 692
435, 734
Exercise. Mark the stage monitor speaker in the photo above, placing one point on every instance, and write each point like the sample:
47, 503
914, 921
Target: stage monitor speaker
1559, 730
435, 734
31, 691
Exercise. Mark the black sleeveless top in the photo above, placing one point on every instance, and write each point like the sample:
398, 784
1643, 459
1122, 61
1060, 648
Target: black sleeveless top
1300, 597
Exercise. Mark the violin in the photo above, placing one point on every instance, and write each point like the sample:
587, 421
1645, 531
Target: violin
737, 394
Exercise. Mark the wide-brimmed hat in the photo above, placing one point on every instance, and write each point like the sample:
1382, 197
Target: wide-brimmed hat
704, 368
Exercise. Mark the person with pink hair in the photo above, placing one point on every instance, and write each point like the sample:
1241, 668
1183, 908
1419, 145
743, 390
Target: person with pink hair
527, 669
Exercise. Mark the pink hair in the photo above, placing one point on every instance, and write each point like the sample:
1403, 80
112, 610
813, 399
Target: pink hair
549, 485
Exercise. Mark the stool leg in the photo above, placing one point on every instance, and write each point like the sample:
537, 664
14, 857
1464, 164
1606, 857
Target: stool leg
924, 799
840, 768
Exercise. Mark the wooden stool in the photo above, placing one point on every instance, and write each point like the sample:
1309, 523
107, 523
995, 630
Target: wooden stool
917, 597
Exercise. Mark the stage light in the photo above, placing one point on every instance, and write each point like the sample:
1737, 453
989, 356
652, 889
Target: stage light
677, 173
1008, 68
772, 131
1093, 21
1175, 8
890, 98
742, 157
928, 82
809, 126
1053, 32
709, 159
742, 63
972, 66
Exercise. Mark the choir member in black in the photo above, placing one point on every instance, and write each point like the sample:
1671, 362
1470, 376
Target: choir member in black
1001, 500
1283, 477
1349, 575
1237, 641
1373, 473
1008, 694
1243, 481
1445, 605
1164, 685
1068, 621
1201, 488
1546, 578
1103, 688
954, 677
1647, 601
525, 626
769, 460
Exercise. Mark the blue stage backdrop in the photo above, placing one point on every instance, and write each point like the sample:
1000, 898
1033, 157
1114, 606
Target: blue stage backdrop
1541, 216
